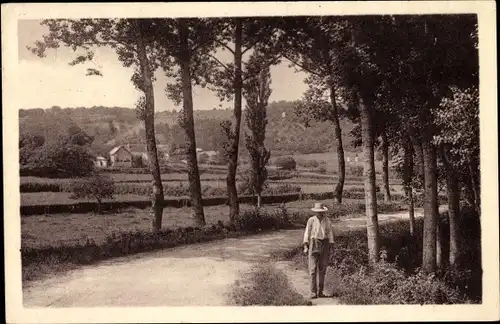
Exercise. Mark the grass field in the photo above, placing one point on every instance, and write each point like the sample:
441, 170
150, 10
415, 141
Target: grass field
129, 177
52, 230
49, 198
308, 180
330, 162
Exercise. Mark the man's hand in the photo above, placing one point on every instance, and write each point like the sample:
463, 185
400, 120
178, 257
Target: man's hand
306, 249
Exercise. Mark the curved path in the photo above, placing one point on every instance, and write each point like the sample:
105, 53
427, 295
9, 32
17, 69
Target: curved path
192, 275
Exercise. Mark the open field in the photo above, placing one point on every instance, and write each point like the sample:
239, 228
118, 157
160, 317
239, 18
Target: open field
49, 198
53, 230
42, 230
129, 177
330, 162
308, 180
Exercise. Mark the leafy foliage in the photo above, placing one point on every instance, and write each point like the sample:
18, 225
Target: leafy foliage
286, 162
458, 120
65, 155
97, 187
257, 94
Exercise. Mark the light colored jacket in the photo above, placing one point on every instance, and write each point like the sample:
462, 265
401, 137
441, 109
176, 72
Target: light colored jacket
316, 229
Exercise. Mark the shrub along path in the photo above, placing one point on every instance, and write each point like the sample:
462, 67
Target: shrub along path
192, 275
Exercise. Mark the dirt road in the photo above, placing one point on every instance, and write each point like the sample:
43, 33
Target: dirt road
192, 275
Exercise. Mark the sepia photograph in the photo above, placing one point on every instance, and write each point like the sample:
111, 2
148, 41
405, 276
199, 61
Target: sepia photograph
199, 157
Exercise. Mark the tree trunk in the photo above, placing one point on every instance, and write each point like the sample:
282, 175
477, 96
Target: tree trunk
476, 188
419, 156
453, 215
370, 188
408, 177
429, 262
453, 193
188, 125
99, 202
385, 167
469, 192
232, 194
411, 210
149, 125
439, 242
339, 187
259, 200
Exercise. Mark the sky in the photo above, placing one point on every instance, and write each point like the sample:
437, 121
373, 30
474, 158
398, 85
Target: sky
50, 81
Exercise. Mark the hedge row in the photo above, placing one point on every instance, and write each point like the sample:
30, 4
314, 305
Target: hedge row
143, 187
87, 207
206, 190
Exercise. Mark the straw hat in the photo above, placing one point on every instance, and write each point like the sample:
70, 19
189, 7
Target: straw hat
319, 208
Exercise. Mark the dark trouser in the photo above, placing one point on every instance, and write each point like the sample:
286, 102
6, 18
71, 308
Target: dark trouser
318, 263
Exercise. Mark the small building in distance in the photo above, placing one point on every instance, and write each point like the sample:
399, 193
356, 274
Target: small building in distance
135, 155
101, 162
120, 156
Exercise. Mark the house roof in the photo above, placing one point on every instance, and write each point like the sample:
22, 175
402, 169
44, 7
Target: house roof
140, 148
116, 149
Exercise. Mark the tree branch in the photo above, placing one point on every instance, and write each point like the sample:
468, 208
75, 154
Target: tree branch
225, 45
271, 62
220, 63
302, 67
249, 47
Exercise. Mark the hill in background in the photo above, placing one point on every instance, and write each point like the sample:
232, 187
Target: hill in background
111, 126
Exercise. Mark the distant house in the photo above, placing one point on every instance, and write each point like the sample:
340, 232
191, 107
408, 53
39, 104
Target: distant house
120, 156
101, 162
131, 155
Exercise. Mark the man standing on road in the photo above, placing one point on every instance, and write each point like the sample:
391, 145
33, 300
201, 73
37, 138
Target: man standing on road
317, 239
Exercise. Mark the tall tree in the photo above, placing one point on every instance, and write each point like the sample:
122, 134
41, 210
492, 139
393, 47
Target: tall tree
313, 45
257, 92
239, 36
185, 44
132, 40
458, 139
369, 175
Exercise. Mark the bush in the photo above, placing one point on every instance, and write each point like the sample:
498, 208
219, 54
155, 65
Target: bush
257, 220
279, 175
321, 170
40, 187
285, 163
98, 187
308, 163
282, 189
137, 161
386, 284
266, 286
203, 158
356, 171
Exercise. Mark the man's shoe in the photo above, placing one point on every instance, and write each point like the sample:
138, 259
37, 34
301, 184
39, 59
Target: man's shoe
313, 296
321, 295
